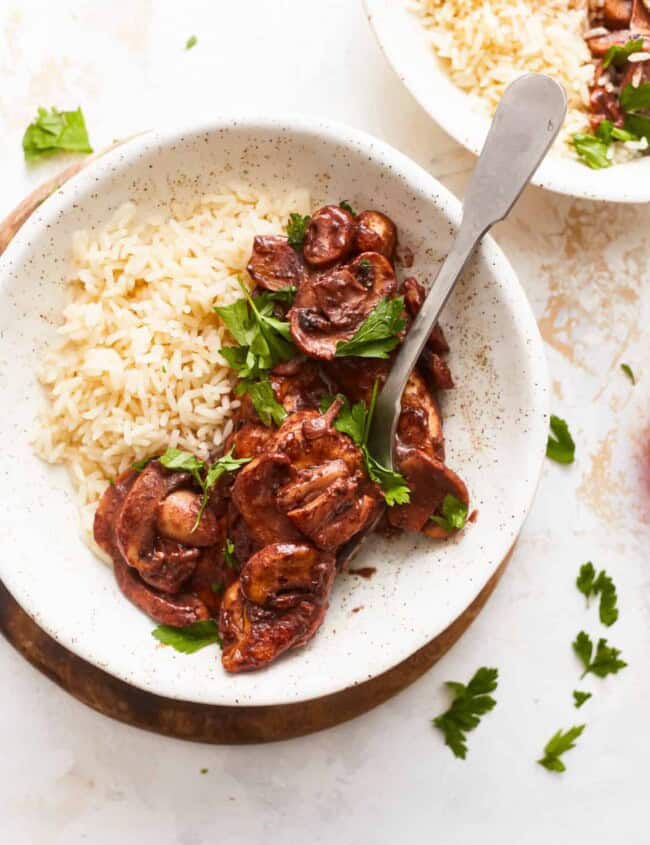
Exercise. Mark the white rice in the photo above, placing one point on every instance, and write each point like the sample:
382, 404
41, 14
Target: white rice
486, 44
137, 366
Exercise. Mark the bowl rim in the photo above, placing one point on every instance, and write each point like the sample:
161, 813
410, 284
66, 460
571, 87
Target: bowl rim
557, 173
413, 175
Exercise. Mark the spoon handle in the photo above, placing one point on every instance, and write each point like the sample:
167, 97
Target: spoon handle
525, 124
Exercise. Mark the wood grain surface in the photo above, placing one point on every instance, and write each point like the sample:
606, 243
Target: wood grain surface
184, 719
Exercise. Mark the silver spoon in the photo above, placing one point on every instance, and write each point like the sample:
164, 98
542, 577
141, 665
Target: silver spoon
525, 125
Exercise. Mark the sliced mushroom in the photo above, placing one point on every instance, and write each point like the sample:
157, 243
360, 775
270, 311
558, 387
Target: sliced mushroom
640, 19
420, 422
330, 236
177, 611
617, 14
356, 377
429, 481
414, 295
250, 440
375, 233
164, 564
254, 494
177, 519
436, 369
330, 307
108, 510
347, 506
600, 44
280, 572
299, 384
274, 264
255, 635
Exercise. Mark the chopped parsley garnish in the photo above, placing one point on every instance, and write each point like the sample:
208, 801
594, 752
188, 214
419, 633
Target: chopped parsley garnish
56, 130
263, 339
297, 229
635, 99
454, 514
217, 586
605, 661
345, 205
229, 556
593, 149
602, 585
262, 395
628, 372
617, 55
355, 422
203, 771
557, 745
177, 459
560, 446
579, 698
469, 704
191, 41
189, 639
138, 466
378, 335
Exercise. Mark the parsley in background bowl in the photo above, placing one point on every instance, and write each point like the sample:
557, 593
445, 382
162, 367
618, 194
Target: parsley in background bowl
496, 421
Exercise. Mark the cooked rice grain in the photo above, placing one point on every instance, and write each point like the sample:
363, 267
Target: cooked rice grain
486, 44
137, 367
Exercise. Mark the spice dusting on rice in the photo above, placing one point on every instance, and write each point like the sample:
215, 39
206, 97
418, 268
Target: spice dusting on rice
486, 44
137, 367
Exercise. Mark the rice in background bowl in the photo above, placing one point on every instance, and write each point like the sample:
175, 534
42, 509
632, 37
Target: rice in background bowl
138, 365
486, 44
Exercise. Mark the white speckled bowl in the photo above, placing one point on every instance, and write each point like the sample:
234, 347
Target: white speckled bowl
407, 47
495, 421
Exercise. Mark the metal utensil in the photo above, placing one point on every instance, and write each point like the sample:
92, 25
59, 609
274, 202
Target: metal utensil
525, 125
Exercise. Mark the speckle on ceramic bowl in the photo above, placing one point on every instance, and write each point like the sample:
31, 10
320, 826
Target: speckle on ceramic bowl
495, 421
407, 46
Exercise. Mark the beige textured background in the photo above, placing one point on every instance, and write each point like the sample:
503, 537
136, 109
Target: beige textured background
73, 777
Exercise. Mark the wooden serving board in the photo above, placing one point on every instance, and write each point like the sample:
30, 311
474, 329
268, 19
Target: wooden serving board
185, 719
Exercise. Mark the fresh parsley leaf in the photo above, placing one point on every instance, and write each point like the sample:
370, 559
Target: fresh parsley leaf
607, 609
560, 446
557, 745
617, 55
262, 395
192, 638
191, 41
56, 130
606, 660
590, 585
297, 229
592, 150
638, 125
177, 459
349, 420
378, 334
226, 463
635, 99
608, 132
393, 485
138, 466
229, 556
628, 372
586, 578
583, 647
217, 586
454, 514
579, 698
469, 704
345, 205
355, 422
263, 339
286, 295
